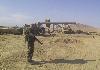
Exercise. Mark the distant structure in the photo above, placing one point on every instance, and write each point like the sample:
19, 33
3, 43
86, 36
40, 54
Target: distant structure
50, 27
55, 26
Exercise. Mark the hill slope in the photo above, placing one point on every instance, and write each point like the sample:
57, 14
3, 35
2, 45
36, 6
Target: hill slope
85, 28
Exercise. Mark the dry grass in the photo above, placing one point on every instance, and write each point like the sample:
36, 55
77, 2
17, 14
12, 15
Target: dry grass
65, 52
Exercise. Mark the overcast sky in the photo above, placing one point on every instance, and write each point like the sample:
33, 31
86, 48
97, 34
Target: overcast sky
19, 12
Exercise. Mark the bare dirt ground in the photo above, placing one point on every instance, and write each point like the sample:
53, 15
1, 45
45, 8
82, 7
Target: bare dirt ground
64, 52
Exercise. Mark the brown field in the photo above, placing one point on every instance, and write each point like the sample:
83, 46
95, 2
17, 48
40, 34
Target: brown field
62, 52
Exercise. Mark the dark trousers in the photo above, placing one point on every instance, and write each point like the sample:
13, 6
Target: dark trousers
30, 51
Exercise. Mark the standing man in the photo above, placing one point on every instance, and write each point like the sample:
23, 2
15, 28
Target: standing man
30, 38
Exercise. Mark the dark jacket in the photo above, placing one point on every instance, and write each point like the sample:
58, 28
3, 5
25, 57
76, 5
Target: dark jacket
30, 38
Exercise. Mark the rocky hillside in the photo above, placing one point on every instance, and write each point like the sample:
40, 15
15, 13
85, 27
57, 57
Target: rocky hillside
85, 28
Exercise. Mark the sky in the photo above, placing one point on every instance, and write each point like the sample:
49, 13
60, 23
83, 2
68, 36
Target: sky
20, 12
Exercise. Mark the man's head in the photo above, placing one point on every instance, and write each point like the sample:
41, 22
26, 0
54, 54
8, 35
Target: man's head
28, 31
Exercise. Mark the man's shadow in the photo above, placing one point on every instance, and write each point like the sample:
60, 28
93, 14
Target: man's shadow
57, 61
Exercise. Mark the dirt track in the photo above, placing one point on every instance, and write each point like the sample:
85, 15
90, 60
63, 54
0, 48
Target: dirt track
70, 52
